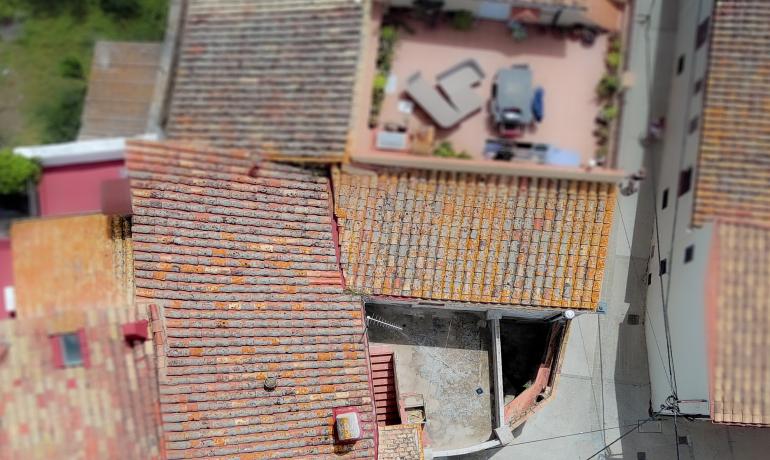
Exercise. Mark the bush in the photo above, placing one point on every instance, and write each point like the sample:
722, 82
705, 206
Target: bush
70, 67
121, 8
613, 61
62, 120
445, 150
608, 86
15, 171
463, 20
609, 113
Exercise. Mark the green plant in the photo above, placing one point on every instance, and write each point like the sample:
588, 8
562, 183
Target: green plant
463, 20
121, 8
445, 150
613, 45
601, 152
62, 120
612, 60
608, 86
70, 67
16, 171
609, 113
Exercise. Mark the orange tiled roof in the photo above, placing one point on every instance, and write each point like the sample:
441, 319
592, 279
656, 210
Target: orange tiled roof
469, 237
739, 322
734, 163
73, 274
243, 269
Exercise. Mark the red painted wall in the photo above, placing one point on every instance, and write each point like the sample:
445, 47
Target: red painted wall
6, 272
75, 189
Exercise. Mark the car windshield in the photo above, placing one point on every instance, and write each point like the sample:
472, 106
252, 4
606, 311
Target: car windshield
511, 116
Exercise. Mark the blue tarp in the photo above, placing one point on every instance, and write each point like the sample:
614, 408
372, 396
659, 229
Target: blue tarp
559, 157
537, 104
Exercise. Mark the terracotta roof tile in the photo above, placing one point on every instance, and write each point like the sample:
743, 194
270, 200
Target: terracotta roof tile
739, 318
734, 162
468, 237
243, 268
272, 76
106, 409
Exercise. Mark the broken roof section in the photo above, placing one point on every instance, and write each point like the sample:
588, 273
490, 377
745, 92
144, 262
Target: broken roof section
120, 89
272, 76
241, 264
475, 238
739, 324
733, 170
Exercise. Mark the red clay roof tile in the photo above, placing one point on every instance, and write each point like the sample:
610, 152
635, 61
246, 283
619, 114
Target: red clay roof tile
244, 270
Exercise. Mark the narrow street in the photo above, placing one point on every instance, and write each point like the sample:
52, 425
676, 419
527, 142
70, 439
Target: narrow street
604, 388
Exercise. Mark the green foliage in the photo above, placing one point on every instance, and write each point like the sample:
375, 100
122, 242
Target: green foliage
385, 52
613, 61
380, 80
608, 86
62, 120
463, 20
614, 44
388, 34
70, 67
445, 150
33, 58
15, 171
121, 8
609, 113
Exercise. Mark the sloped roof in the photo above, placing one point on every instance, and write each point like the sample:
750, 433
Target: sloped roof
244, 273
734, 162
739, 322
120, 89
470, 237
273, 76
73, 274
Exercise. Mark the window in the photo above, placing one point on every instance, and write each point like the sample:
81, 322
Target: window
698, 86
689, 253
69, 350
649, 279
680, 65
703, 33
71, 353
685, 181
664, 200
663, 267
694, 124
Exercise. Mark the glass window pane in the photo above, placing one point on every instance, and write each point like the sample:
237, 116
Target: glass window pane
70, 345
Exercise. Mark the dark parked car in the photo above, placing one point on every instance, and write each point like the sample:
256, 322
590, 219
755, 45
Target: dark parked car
511, 103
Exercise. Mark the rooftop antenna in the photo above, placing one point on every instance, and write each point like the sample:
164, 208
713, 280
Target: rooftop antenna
379, 322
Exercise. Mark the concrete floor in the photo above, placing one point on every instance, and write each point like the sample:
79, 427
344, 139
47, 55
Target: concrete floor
567, 70
445, 357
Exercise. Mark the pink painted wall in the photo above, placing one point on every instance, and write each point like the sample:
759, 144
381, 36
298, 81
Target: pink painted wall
62, 190
75, 189
6, 272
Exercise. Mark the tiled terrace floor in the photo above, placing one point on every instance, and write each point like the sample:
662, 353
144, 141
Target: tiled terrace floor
566, 69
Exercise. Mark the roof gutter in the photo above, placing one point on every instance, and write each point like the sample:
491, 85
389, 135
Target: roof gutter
78, 152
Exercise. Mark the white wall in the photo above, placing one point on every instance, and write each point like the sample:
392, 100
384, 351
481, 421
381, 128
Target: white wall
685, 283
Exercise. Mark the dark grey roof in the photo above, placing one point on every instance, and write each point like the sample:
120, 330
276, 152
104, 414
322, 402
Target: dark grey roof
120, 89
274, 77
